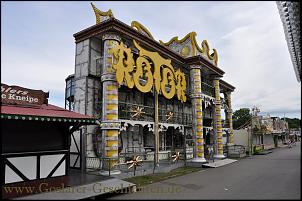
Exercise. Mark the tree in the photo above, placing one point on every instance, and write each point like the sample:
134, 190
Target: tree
240, 117
294, 123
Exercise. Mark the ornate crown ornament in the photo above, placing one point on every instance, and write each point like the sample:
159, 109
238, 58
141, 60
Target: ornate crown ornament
140, 28
188, 46
100, 15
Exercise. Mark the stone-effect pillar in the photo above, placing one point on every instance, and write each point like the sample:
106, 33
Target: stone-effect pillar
218, 125
195, 75
86, 92
230, 118
110, 125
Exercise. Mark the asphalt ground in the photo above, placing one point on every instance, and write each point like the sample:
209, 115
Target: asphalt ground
272, 176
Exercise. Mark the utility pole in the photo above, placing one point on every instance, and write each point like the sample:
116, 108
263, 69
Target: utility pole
156, 133
286, 132
255, 111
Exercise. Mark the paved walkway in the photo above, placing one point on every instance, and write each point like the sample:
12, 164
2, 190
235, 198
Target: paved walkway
272, 176
219, 163
83, 191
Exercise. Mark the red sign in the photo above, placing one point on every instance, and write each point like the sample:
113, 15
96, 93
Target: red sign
22, 96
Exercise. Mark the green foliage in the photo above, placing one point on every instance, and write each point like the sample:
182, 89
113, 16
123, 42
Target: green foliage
293, 123
241, 117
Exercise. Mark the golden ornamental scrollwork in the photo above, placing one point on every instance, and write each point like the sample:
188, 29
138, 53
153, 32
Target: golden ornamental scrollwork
125, 64
151, 68
143, 65
141, 28
100, 14
175, 39
204, 49
168, 81
181, 85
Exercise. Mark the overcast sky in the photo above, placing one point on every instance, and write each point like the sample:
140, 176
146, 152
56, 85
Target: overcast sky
38, 49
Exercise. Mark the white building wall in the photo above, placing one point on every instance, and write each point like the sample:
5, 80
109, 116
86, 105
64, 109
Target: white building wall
241, 137
268, 141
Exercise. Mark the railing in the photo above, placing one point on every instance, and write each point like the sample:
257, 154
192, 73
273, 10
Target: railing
137, 149
126, 112
93, 162
146, 156
164, 115
207, 89
120, 163
102, 163
175, 118
240, 149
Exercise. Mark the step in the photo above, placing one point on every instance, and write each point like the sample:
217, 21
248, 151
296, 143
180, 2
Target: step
219, 163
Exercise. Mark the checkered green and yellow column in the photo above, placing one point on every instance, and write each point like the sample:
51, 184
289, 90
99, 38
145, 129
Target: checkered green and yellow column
110, 124
197, 113
230, 118
218, 124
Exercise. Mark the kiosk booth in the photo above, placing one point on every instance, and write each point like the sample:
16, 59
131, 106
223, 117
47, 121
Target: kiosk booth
36, 140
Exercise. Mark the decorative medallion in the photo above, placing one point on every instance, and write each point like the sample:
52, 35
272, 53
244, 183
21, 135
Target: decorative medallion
100, 15
185, 51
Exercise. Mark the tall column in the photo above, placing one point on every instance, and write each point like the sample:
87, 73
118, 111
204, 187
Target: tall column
156, 132
195, 75
226, 124
230, 118
86, 92
110, 125
219, 153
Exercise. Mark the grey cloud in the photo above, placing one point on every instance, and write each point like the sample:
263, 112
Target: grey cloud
248, 36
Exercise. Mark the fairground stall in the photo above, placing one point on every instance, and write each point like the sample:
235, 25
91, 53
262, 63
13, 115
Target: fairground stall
36, 139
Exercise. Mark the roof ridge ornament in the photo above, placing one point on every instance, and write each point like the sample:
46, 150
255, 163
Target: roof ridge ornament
142, 29
101, 16
196, 49
206, 49
175, 39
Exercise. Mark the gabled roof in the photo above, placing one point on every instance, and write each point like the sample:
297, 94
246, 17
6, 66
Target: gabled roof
44, 113
224, 86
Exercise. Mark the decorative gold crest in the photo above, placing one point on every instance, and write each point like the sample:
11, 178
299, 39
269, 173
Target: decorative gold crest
185, 51
100, 15
140, 28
